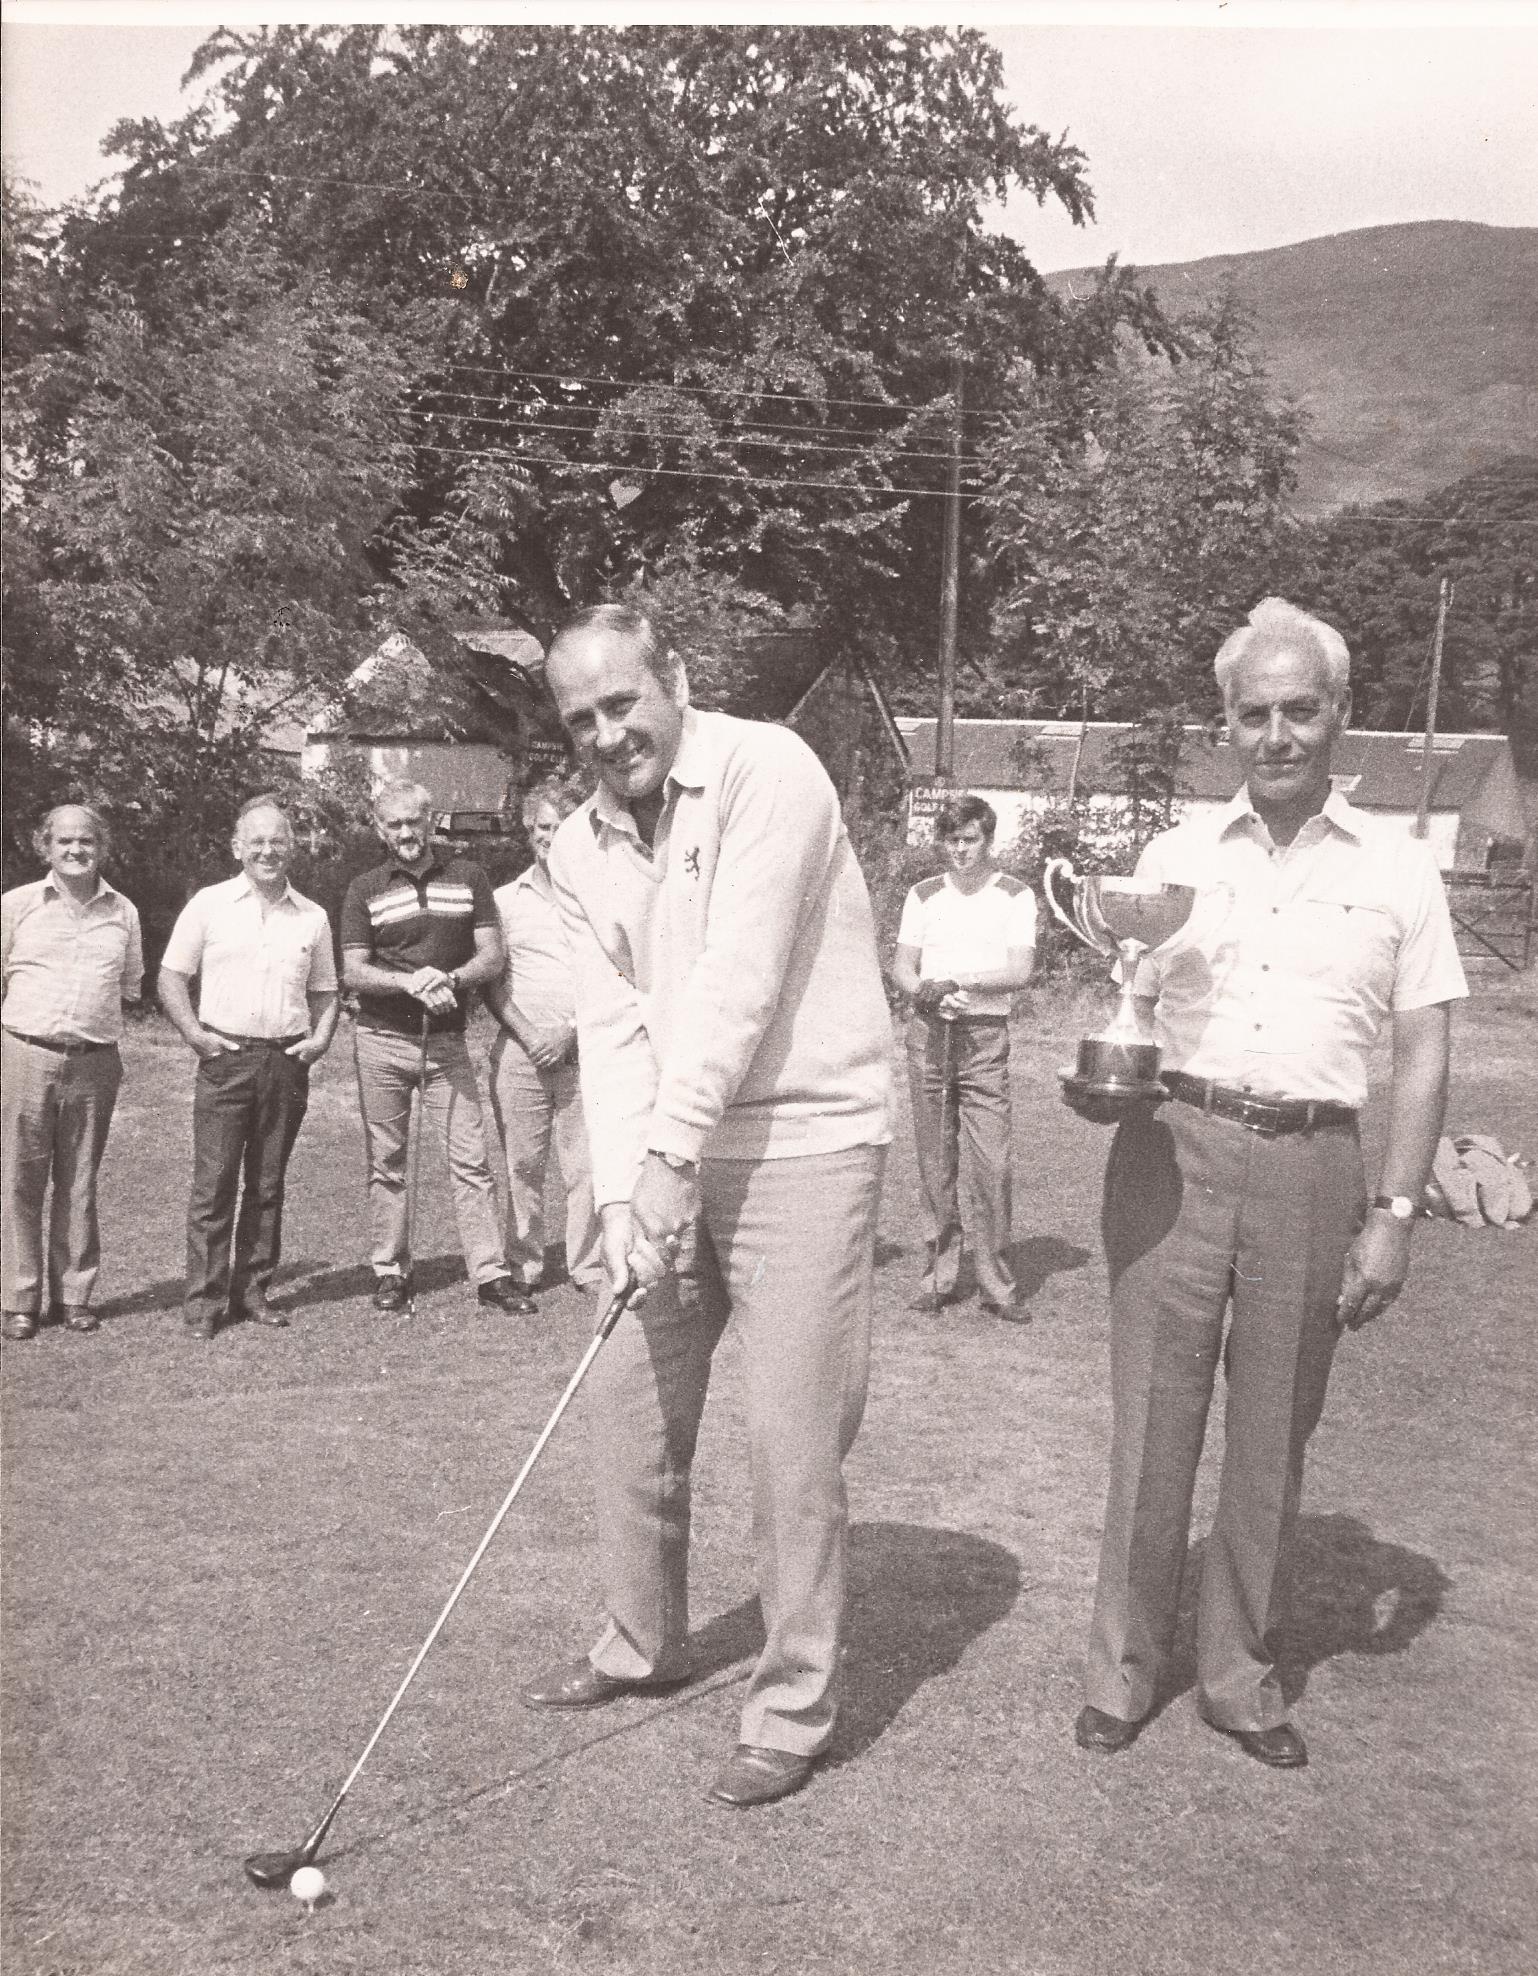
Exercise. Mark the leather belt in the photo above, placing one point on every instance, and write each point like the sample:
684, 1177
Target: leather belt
1270, 1117
256, 1042
59, 1049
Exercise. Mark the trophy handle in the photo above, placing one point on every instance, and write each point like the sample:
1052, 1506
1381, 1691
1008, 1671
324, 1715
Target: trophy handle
1075, 925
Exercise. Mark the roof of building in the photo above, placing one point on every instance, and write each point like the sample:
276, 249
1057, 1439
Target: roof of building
1037, 755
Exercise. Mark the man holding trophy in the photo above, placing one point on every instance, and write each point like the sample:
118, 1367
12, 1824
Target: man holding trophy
1262, 947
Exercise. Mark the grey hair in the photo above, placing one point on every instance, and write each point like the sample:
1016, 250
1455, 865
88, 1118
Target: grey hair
552, 791
397, 789
1277, 626
266, 801
630, 623
42, 837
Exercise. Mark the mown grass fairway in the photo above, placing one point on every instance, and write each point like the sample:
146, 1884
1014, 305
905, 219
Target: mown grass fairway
220, 1559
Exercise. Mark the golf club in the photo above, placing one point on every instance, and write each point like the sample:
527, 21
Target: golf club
414, 1165
276, 1869
947, 1071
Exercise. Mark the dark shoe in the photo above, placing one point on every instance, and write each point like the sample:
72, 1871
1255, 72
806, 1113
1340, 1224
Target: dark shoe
392, 1293
202, 1324
18, 1324
752, 1775
1095, 1730
1014, 1312
503, 1294
76, 1317
1281, 1748
578, 1684
253, 1306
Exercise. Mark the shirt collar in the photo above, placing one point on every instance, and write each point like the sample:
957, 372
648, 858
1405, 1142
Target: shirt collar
396, 869
104, 890
244, 890
1336, 811
690, 770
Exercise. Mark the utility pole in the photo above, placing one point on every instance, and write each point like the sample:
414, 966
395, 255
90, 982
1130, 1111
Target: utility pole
945, 738
1444, 598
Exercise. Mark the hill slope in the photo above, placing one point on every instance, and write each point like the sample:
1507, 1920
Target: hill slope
1413, 348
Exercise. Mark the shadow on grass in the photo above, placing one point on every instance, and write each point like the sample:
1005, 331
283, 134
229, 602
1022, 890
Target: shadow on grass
297, 1287
1040, 1256
919, 1596
1351, 1594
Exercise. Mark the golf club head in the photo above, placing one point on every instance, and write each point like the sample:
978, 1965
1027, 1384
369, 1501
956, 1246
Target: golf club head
270, 1870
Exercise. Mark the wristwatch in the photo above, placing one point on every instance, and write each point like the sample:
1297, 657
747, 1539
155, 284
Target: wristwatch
674, 1160
1400, 1206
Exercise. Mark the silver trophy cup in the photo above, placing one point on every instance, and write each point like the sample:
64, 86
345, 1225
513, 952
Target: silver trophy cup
1123, 918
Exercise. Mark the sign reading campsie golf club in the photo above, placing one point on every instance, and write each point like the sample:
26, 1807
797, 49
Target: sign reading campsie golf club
925, 798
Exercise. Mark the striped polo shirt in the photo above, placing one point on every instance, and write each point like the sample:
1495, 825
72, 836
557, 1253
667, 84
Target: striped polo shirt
408, 920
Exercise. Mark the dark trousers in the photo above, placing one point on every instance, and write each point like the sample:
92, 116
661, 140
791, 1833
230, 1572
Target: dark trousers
247, 1108
1203, 1217
958, 1076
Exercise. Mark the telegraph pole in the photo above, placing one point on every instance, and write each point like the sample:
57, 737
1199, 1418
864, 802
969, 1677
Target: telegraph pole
945, 738
1444, 598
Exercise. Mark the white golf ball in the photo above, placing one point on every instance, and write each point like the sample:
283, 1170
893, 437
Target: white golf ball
308, 1884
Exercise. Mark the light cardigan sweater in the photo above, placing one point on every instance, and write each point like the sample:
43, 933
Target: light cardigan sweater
729, 1000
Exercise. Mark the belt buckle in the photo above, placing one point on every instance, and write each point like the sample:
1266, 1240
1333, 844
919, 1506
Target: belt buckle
1263, 1119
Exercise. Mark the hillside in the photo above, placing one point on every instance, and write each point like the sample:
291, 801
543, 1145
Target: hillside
1413, 348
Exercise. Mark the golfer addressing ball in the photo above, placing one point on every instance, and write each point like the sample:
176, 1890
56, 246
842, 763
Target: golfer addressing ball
734, 1044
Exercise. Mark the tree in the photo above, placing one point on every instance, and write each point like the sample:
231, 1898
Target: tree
194, 513
693, 292
1375, 572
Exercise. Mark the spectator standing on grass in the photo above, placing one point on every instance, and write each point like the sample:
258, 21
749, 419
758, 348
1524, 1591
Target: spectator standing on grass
419, 934
1312, 923
534, 1060
966, 943
70, 957
267, 1010
734, 1039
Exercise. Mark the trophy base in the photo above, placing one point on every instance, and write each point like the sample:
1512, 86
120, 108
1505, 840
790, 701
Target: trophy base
1108, 1068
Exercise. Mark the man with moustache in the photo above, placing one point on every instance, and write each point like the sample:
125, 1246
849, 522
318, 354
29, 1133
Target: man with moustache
70, 957
1313, 922
734, 1047
419, 936
267, 1010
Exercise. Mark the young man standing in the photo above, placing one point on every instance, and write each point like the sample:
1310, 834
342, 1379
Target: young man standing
966, 943
267, 1009
70, 957
419, 934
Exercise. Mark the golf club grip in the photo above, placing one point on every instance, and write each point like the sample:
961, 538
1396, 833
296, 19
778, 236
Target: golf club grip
607, 1323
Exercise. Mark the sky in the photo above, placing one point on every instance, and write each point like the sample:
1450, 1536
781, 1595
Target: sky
1210, 126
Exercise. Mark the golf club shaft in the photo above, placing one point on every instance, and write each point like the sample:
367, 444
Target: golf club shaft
611, 1316
414, 1150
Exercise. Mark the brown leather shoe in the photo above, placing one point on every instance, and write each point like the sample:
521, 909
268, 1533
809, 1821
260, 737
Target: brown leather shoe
503, 1294
77, 1317
755, 1775
1096, 1730
253, 1306
18, 1324
1280, 1748
578, 1684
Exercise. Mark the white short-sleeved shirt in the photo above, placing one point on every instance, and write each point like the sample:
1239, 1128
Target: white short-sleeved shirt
68, 968
539, 969
958, 933
1293, 955
257, 968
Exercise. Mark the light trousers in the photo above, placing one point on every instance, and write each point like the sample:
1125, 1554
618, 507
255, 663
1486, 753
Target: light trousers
958, 1078
1202, 1217
530, 1106
786, 1247
55, 1114
388, 1066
